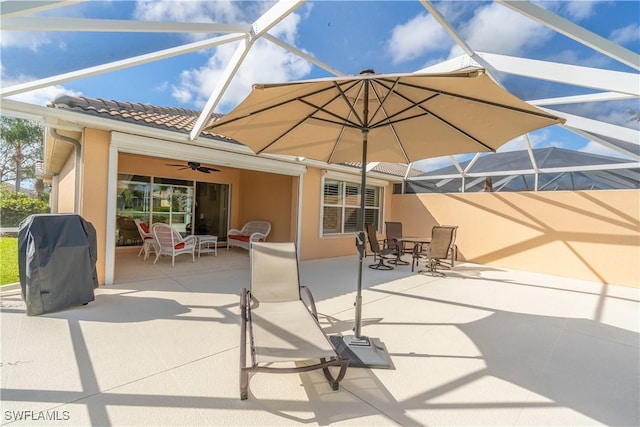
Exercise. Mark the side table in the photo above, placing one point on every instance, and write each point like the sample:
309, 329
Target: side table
205, 243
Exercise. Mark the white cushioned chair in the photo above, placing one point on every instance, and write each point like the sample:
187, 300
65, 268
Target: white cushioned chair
148, 241
252, 231
170, 242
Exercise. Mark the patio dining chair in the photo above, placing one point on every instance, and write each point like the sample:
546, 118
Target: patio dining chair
281, 319
379, 253
440, 252
148, 241
170, 242
394, 232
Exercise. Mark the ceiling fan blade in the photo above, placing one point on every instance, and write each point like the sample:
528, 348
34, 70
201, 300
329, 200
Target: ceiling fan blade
204, 170
208, 169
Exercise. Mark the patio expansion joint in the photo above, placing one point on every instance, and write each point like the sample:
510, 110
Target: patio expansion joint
145, 377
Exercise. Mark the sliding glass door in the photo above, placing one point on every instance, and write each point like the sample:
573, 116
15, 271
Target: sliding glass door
179, 203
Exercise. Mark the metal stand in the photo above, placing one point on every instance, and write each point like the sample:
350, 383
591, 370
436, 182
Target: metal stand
362, 352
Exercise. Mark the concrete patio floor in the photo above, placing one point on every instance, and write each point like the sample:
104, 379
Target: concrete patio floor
482, 346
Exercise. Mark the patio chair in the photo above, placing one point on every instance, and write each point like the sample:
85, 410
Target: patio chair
283, 328
252, 231
441, 247
394, 232
148, 241
170, 242
378, 252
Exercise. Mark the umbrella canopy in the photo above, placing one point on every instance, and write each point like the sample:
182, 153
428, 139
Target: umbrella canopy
404, 117
380, 117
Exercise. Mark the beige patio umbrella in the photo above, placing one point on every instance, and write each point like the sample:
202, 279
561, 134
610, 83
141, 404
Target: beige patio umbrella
380, 117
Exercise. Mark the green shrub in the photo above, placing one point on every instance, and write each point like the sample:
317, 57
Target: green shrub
14, 207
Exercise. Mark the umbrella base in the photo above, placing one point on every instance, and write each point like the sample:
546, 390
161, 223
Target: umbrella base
362, 352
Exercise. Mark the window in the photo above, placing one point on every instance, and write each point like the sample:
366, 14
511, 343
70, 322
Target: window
341, 206
173, 202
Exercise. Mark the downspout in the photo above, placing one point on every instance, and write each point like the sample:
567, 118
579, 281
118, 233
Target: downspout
78, 151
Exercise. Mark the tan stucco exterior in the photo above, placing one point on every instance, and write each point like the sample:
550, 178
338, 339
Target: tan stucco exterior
312, 245
589, 235
95, 178
66, 191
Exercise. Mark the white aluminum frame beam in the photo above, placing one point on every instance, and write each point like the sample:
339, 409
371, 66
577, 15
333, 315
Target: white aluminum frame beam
578, 123
121, 64
473, 55
302, 54
575, 75
38, 23
575, 32
264, 23
17, 8
579, 99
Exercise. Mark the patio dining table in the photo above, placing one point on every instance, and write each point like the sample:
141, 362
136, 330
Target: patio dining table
416, 241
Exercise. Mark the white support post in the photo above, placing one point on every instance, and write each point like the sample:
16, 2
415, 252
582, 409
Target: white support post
110, 238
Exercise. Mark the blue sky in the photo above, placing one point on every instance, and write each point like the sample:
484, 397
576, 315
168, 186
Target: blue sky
388, 36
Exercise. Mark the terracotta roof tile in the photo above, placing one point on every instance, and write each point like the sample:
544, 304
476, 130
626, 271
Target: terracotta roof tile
169, 118
396, 169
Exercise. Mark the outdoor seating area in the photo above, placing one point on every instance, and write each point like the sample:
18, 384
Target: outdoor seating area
438, 250
481, 346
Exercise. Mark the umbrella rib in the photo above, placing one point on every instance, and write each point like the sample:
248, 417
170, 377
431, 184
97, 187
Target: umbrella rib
478, 100
317, 108
340, 120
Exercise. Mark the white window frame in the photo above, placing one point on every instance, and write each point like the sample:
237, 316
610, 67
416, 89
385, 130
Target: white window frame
350, 179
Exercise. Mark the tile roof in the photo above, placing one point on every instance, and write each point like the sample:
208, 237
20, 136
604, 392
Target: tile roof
169, 118
396, 169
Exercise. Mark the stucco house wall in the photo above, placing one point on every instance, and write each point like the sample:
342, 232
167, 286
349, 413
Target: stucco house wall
264, 196
313, 245
588, 235
66, 191
94, 179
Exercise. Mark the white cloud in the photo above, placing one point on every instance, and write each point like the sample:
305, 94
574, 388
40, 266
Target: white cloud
416, 37
44, 96
24, 39
432, 164
630, 33
188, 11
264, 63
580, 10
597, 148
577, 10
497, 29
219, 11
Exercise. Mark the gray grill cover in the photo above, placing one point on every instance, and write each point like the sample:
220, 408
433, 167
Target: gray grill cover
57, 262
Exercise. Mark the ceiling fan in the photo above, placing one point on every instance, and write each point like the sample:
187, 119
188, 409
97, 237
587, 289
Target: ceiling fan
195, 166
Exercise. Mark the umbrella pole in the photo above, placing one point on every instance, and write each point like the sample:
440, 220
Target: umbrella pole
362, 352
361, 237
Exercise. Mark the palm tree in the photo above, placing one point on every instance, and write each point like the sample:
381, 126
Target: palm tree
22, 142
